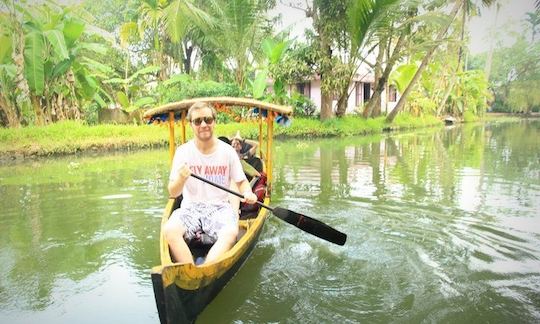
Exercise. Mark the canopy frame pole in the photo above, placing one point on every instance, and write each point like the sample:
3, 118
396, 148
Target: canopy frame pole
269, 140
183, 126
171, 136
261, 137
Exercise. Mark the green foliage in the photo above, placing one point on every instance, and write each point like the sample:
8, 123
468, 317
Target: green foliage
302, 106
362, 16
298, 64
110, 14
475, 92
403, 75
62, 79
469, 117
123, 99
184, 87
52, 139
410, 121
419, 104
34, 65
351, 125
259, 84
235, 40
134, 94
274, 50
522, 98
515, 73
6, 42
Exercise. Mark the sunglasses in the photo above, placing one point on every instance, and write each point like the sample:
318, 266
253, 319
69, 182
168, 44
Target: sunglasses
198, 121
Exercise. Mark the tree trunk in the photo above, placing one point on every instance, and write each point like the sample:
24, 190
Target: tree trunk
188, 51
368, 110
454, 79
489, 59
326, 105
383, 80
12, 120
342, 103
326, 95
423, 64
36, 104
326, 53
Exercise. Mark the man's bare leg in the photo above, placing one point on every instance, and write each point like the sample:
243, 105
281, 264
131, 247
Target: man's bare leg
225, 241
174, 234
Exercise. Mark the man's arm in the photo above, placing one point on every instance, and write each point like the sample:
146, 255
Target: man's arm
245, 189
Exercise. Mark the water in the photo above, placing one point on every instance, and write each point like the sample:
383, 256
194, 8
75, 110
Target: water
442, 226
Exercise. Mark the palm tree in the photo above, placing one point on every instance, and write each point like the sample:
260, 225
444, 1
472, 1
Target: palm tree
467, 9
366, 22
533, 18
459, 4
424, 63
162, 20
238, 36
395, 34
151, 24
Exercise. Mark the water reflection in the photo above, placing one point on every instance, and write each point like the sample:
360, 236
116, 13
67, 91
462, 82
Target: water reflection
75, 225
458, 167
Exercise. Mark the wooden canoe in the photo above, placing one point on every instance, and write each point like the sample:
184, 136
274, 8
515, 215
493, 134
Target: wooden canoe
182, 291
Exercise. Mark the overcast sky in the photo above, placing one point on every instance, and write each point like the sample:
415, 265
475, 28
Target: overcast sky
510, 17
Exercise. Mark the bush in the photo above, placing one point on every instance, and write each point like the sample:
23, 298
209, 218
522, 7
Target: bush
302, 106
180, 87
469, 116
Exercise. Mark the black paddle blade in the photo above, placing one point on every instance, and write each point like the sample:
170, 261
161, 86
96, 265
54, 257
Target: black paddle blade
311, 225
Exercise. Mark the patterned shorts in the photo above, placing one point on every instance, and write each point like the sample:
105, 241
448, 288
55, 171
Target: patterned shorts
209, 218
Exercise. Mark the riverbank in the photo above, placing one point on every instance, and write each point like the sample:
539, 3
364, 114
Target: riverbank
71, 137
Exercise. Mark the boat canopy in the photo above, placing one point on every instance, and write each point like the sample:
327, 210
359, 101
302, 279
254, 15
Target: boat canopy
162, 113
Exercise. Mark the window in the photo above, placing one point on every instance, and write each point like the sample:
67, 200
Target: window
367, 91
304, 88
358, 98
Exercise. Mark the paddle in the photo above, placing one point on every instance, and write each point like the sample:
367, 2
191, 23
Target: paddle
303, 222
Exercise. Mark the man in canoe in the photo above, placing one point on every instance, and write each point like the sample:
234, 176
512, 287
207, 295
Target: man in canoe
204, 207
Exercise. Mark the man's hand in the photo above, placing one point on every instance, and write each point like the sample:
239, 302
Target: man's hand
249, 197
184, 172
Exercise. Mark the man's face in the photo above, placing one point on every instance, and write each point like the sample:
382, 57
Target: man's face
202, 123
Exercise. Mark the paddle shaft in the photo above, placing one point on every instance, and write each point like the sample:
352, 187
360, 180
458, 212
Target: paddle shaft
229, 190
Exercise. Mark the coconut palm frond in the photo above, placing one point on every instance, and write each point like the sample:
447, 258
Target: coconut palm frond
180, 15
362, 16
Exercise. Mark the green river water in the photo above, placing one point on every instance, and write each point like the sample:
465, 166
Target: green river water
443, 226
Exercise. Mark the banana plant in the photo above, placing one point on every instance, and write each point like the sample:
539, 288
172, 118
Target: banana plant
403, 75
133, 85
58, 77
274, 50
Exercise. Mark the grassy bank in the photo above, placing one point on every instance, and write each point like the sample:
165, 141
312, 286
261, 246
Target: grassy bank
73, 137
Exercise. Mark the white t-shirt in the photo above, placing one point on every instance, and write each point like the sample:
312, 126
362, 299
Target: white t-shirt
219, 167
